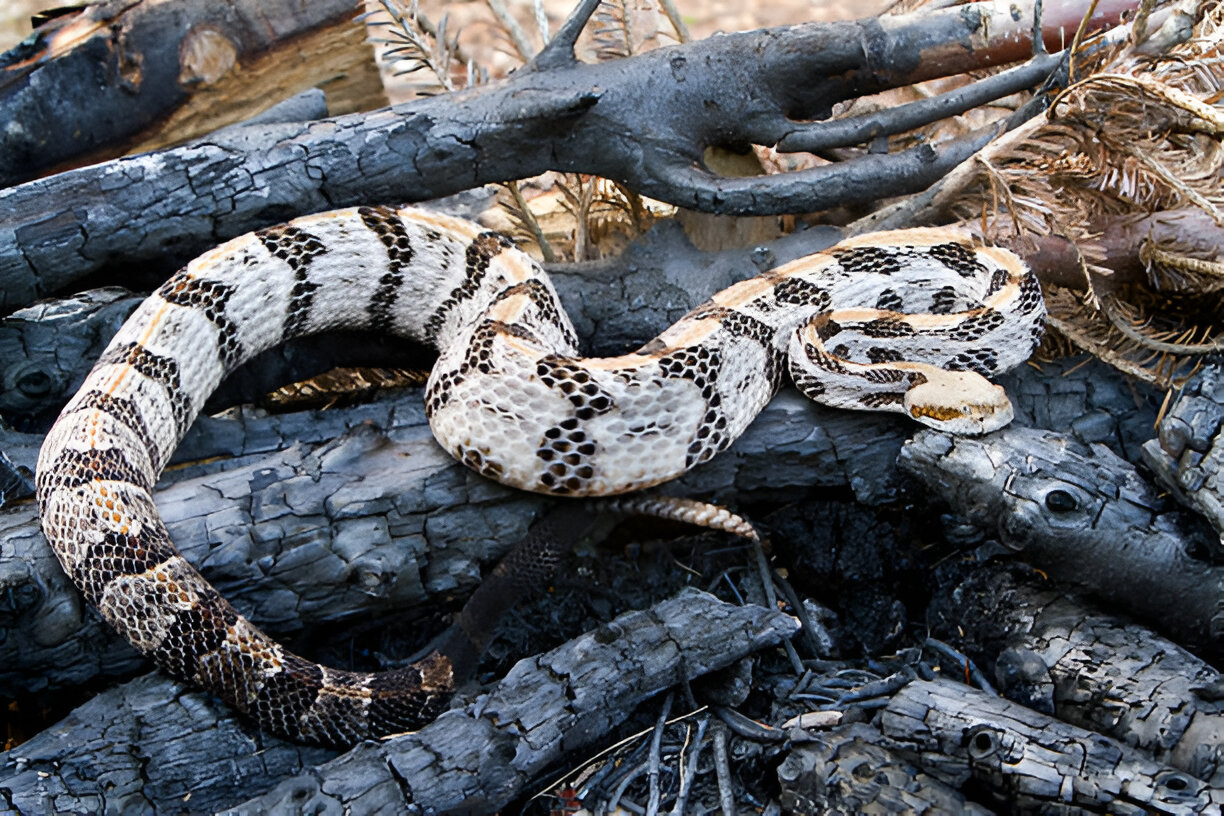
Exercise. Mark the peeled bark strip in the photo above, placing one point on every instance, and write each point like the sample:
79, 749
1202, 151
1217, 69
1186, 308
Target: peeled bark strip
1188, 454
558, 114
1033, 763
1081, 515
1061, 657
477, 758
122, 77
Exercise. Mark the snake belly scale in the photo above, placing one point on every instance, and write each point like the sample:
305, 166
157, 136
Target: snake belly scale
906, 321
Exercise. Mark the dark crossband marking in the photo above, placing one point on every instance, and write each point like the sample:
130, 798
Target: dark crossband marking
117, 554
74, 468
879, 354
700, 365
196, 634
976, 326
945, 300
298, 249
544, 303
739, 324
822, 359
209, 298
999, 279
285, 696
399, 701
983, 361
385, 223
567, 375
868, 260
484, 248
800, 292
125, 412
889, 301
160, 369
567, 450
878, 399
886, 327
1030, 298
957, 257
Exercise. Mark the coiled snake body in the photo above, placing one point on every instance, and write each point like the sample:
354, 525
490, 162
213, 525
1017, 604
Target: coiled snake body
509, 396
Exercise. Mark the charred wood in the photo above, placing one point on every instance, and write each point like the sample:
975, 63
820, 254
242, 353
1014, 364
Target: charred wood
164, 207
1188, 453
131, 77
1082, 515
473, 758
1031, 762
1054, 654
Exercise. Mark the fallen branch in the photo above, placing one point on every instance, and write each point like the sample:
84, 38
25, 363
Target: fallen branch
644, 121
475, 757
1031, 762
1081, 515
132, 77
1058, 656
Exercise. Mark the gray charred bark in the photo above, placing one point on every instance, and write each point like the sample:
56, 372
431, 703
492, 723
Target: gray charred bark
1057, 655
163, 208
133, 740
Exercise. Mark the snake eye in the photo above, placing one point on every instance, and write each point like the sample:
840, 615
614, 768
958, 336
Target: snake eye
1060, 501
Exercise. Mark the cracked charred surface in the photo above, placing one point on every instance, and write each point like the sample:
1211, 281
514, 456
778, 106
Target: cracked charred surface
1059, 656
1082, 515
162, 208
1188, 453
1030, 761
475, 757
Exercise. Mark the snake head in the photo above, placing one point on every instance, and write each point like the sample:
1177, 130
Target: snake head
959, 402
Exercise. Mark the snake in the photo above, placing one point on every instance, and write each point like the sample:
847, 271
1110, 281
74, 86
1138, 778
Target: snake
910, 321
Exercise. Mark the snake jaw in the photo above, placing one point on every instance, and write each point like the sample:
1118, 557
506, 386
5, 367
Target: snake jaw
959, 402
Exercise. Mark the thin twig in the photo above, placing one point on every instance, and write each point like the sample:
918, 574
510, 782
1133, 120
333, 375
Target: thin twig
652, 774
689, 771
673, 16
510, 25
722, 769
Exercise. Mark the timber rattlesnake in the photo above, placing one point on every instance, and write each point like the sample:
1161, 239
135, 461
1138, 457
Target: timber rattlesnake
509, 397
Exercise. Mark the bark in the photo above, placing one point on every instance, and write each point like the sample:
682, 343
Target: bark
852, 769
128, 744
1057, 655
644, 121
1188, 454
1033, 763
121, 76
1081, 515
150, 745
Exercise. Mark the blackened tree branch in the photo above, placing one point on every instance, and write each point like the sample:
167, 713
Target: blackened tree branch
644, 121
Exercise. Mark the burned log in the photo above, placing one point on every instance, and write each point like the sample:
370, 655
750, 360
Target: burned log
1082, 515
852, 769
1057, 655
1031, 762
475, 757
1188, 453
163, 208
131, 77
